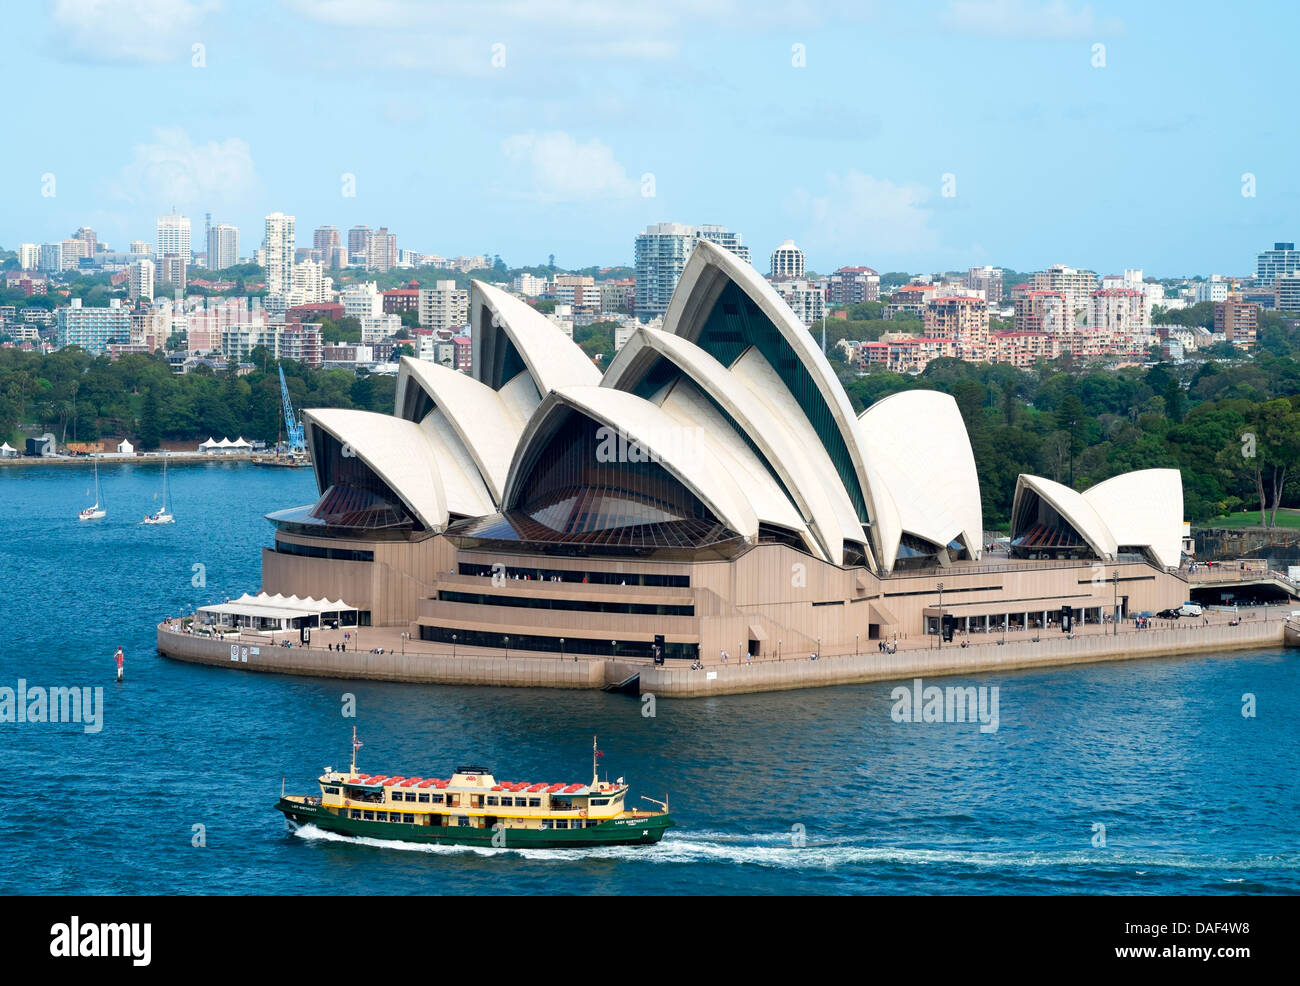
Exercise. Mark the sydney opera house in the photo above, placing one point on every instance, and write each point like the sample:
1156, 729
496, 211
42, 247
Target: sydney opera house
712, 486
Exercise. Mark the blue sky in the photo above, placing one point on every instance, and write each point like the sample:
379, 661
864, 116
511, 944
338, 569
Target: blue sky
529, 128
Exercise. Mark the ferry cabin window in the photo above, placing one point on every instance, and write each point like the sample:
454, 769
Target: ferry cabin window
437, 799
462, 820
507, 802
534, 802
561, 823
546, 823
369, 816
356, 813
424, 799
599, 802
491, 800
410, 795
408, 819
331, 790
382, 816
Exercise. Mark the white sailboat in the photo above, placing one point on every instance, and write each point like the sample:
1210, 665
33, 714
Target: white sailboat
95, 512
163, 516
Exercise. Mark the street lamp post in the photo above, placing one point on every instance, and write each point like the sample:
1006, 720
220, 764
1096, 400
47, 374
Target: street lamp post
453, 646
404, 643
940, 616
1115, 611
778, 649
507, 647
613, 646
856, 638
562, 650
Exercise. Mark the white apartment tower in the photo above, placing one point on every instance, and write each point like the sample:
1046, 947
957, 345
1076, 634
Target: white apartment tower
443, 307
279, 253
661, 253
174, 236
787, 261
223, 246
140, 280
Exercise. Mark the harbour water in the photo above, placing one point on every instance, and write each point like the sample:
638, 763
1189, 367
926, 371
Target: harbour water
816, 791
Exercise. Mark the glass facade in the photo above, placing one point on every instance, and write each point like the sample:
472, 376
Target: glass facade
576, 605
356, 498
556, 645
736, 323
580, 490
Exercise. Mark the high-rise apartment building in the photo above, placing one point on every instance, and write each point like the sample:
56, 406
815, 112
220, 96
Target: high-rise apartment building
171, 270
358, 243
787, 261
1238, 321
661, 253
361, 300
444, 306
93, 328
963, 321
807, 299
854, 285
327, 240
279, 253
381, 251
87, 236
1074, 286
1282, 261
1117, 311
51, 260
986, 279
139, 278
223, 246
29, 256
73, 251
174, 236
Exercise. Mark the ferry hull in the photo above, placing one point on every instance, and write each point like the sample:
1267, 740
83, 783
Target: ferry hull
613, 832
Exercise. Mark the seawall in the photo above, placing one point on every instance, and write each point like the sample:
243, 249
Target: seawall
245, 655
734, 679
1049, 651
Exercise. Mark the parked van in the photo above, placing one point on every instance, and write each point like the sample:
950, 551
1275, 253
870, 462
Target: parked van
1189, 609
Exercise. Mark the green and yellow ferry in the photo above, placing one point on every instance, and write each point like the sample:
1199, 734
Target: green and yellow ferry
473, 808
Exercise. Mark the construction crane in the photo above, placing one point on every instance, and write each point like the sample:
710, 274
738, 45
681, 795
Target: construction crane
292, 426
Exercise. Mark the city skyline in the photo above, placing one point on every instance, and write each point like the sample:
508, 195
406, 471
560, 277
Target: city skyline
545, 133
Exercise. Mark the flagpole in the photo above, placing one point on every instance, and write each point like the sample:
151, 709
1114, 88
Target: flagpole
594, 774
354, 751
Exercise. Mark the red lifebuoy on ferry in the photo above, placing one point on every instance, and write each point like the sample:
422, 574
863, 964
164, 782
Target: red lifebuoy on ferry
582, 812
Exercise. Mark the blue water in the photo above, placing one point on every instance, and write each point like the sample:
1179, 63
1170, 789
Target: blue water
1194, 797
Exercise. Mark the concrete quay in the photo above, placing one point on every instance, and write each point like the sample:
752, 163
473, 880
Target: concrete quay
256, 652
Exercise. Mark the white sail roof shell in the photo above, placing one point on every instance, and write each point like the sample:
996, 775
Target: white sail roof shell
1143, 509
1073, 508
552, 358
697, 289
483, 421
916, 441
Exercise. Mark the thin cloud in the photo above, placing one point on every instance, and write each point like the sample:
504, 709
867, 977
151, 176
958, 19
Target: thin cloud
1027, 20
554, 167
175, 171
147, 31
871, 216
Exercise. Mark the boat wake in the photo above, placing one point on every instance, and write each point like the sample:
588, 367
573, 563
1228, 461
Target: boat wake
776, 851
